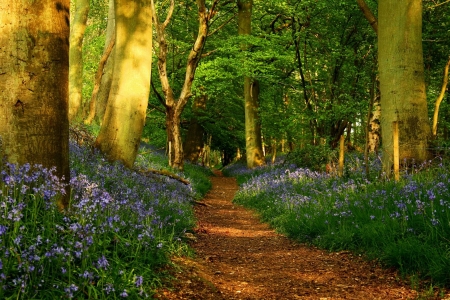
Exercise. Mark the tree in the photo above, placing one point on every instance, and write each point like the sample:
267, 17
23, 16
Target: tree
253, 142
174, 106
120, 134
402, 82
34, 45
78, 28
103, 78
194, 142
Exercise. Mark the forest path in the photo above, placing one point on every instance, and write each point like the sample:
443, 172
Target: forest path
238, 257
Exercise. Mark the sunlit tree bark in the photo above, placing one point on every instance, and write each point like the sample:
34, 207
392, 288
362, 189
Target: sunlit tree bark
34, 71
402, 84
77, 30
120, 134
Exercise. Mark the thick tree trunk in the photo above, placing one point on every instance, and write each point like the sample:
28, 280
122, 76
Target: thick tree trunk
253, 143
78, 27
194, 142
402, 84
121, 130
34, 51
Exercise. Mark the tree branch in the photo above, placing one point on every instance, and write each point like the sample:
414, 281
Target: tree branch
439, 99
158, 95
368, 14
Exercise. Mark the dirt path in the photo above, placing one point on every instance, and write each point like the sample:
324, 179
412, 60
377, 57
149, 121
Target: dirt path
240, 258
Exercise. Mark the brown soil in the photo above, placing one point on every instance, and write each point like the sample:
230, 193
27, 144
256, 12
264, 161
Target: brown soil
238, 257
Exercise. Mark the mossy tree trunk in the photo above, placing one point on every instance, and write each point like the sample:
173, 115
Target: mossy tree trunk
253, 142
402, 84
78, 27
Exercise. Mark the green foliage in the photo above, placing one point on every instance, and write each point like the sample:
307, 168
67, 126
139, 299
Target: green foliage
313, 157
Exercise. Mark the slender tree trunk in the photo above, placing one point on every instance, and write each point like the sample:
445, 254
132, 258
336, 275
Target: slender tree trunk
77, 30
253, 143
98, 80
105, 85
440, 98
121, 130
34, 73
100, 95
402, 83
374, 134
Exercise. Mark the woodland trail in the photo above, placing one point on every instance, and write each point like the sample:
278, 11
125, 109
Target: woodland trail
238, 257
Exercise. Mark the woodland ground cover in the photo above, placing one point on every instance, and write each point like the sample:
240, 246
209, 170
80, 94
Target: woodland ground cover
119, 231
403, 224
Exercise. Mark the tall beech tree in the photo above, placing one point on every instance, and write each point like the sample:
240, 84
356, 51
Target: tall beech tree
253, 142
402, 82
34, 70
77, 30
174, 106
120, 134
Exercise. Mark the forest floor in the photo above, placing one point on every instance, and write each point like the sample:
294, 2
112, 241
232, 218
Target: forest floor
238, 257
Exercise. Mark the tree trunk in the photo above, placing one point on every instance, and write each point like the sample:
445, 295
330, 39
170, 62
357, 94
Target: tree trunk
34, 73
253, 143
174, 107
98, 80
402, 84
440, 98
76, 57
121, 130
374, 128
194, 139
101, 100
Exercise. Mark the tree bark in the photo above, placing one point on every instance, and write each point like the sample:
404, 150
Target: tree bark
402, 83
34, 73
98, 81
193, 145
105, 86
78, 28
120, 134
253, 142
175, 106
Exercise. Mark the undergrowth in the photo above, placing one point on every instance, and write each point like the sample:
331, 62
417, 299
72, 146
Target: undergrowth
403, 224
113, 241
